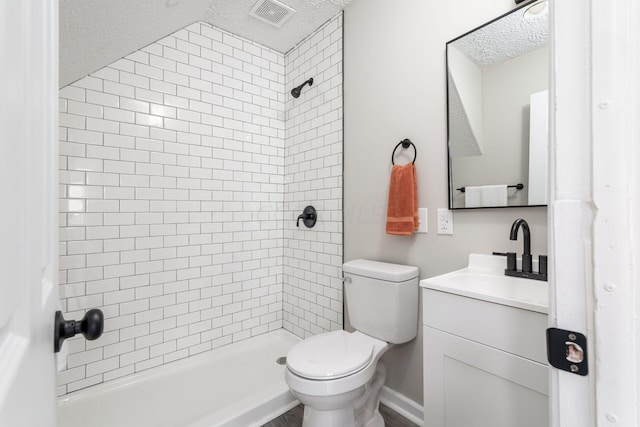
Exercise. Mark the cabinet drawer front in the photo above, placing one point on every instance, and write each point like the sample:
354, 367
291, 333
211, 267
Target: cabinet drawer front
510, 329
467, 384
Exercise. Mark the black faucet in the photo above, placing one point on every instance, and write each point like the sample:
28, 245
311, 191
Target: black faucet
513, 235
527, 263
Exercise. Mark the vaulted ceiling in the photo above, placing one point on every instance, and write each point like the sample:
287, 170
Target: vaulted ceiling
94, 33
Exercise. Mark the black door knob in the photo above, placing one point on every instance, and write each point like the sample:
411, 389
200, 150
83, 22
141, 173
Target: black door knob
91, 327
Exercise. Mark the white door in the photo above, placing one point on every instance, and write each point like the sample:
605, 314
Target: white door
28, 210
594, 207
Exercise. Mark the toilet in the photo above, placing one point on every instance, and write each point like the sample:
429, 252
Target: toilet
338, 375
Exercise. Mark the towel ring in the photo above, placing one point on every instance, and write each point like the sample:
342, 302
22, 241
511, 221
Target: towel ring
405, 144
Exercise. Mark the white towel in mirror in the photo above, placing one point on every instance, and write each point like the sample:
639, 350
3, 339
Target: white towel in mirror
483, 196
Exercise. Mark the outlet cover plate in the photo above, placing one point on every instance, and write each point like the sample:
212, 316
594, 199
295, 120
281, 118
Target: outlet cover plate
444, 221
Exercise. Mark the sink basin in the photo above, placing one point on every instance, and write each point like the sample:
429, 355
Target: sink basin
484, 279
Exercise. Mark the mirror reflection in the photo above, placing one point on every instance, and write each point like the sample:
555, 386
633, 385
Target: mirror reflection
497, 100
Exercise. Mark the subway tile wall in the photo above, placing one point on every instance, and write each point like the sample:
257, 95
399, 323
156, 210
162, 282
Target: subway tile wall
312, 301
180, 180
171, 199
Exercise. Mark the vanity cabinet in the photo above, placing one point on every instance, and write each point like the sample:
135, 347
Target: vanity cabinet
484, 363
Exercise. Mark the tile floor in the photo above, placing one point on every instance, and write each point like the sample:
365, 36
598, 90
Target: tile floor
293, 418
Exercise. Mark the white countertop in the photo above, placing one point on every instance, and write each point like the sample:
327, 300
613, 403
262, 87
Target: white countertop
484, 279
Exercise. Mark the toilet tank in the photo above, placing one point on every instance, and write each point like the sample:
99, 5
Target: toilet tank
382, 299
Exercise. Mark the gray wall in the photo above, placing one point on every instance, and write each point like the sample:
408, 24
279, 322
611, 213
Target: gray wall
394, 88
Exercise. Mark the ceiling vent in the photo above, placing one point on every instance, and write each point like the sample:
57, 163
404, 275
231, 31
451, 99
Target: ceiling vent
272, 12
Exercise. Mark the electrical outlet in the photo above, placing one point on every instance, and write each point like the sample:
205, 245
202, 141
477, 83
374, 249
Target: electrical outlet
422, 215
444, 221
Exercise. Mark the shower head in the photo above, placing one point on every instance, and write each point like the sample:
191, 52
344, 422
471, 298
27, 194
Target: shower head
295, 92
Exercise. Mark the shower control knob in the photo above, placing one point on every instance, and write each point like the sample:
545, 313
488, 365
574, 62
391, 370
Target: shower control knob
91, 327
308, 217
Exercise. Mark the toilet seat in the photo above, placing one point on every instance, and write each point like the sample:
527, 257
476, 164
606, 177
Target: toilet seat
331, 355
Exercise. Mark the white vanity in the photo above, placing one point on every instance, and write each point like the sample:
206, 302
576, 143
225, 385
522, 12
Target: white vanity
485, 361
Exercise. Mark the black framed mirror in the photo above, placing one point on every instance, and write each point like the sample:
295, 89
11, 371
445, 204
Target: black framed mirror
497, 111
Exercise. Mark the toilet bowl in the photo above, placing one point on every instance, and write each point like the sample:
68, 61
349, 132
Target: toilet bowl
338, 375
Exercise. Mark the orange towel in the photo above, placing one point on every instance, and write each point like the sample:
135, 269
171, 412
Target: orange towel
402, 210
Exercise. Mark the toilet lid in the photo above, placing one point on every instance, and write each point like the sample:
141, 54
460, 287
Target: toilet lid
330, 356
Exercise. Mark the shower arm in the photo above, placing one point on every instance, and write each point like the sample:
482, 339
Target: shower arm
295, 92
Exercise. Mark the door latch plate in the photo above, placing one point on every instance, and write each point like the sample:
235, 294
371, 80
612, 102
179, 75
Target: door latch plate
567, 350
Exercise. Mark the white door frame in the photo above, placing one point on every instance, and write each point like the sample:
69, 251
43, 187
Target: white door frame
594, 208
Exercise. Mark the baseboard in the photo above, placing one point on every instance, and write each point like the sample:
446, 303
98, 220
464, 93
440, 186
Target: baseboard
406, 407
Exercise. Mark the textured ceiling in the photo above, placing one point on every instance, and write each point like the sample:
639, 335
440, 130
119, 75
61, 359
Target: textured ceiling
94, 33
506, 38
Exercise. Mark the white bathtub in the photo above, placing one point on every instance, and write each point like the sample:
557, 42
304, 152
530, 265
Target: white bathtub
237, 385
